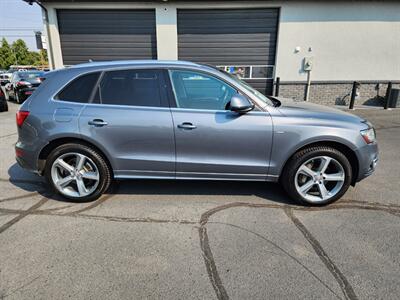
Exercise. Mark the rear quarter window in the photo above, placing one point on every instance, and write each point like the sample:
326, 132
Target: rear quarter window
80, 89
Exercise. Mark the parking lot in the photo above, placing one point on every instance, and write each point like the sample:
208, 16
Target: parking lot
200, 240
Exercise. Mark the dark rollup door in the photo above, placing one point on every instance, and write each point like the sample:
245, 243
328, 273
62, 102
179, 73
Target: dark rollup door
106, 35
240, 41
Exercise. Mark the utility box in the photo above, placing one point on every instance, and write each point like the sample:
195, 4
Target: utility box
394, 100
308, 63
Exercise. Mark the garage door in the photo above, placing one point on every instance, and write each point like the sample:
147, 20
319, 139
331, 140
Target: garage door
241, 41
106, 35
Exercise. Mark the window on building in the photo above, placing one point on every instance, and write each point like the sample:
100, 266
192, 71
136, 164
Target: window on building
80, 89
130, 87
200, 91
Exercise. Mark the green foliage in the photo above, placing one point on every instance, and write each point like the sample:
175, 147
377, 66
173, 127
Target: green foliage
6, 57
19, 54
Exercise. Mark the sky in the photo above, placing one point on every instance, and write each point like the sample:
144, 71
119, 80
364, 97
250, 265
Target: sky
18, 19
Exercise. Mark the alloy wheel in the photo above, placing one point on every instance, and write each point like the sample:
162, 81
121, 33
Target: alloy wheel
75, 175
319, 179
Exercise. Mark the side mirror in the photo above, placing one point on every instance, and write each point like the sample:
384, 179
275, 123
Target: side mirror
240, 104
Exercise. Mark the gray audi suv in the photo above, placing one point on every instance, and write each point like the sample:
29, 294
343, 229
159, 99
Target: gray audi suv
95, 122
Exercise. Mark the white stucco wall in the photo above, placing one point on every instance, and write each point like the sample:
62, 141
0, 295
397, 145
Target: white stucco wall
349, 40
352, 40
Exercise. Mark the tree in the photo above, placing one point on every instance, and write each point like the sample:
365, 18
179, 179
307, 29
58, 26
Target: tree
6, 55
21, 53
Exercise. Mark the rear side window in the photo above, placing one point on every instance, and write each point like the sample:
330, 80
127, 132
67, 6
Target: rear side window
80, 89
131, 87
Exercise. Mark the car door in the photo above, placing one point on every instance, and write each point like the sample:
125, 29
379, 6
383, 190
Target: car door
211, 141
130, 118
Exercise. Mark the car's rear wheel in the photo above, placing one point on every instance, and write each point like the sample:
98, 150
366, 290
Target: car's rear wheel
317, 175
77, 172
18, 98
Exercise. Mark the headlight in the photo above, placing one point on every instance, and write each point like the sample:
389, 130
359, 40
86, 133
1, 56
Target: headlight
368, 135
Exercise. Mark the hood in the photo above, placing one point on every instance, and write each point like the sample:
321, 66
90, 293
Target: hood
288, 107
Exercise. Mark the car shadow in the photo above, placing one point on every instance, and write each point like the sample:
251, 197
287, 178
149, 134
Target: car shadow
265, 190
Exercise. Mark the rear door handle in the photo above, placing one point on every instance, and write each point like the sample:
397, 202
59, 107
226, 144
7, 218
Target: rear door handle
97, 123
187, 125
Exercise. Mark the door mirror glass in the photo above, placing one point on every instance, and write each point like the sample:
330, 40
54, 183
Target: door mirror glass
240, 104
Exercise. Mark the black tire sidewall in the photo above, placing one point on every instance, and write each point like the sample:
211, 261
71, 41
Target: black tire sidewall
17, 97
100, 163
300, 158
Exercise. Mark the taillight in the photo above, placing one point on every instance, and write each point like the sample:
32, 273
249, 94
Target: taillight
21, 117
21, 83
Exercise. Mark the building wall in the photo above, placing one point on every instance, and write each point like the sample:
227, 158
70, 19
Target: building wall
351, 40
354, 40
338, 93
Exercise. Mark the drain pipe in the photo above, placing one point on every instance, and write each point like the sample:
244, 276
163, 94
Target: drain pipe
307, 67
306, 97
46, 20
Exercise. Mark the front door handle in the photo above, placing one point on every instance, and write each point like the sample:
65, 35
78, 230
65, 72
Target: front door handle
187, 125
97, 123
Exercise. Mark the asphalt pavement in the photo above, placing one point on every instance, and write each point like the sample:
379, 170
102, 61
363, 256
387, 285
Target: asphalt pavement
167, 239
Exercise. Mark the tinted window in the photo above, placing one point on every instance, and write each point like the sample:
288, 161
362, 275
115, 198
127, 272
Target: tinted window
199, 91
30, 75
80, 89
131, 87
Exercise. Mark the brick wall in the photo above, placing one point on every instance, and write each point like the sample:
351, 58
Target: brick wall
329, 93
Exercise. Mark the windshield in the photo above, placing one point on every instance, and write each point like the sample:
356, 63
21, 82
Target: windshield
248, 88
30, 75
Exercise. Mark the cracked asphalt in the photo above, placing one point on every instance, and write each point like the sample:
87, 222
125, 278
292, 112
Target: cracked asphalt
200, 240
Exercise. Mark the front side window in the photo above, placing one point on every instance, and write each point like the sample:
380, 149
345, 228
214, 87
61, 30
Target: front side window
197, 90
130, 87
80, 89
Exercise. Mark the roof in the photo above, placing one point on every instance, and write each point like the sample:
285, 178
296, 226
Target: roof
135, 63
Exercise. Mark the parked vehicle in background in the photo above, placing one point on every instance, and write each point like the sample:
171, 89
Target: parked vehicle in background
94, 122
22, 85
5, 78
21, 68
3, 101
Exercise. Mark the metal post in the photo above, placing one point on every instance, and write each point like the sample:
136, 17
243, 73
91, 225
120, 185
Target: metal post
387, 96
277, 83
353, 95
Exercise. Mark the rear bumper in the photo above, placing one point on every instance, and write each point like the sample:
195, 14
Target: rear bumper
368, 157
26, 158
25, 92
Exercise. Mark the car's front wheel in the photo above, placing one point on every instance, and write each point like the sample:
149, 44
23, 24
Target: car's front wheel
3, 106
77, 172
317, 175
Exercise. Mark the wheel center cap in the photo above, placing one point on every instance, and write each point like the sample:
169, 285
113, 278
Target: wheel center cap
318, 177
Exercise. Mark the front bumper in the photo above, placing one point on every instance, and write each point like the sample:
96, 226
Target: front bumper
368, 157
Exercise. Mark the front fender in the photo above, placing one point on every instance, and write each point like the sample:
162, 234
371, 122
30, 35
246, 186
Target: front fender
288, 140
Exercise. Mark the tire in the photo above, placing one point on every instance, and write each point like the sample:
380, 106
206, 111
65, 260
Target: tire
17, 97
296, 181
3, 106
96, 164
